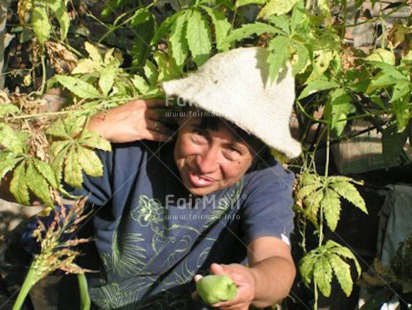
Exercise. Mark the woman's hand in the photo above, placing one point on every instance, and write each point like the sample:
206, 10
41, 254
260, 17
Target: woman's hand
135, 120
244, 281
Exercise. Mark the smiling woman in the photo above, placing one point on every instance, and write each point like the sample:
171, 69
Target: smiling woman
204, 199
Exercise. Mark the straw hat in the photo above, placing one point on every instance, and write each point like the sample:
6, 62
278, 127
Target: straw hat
235, 85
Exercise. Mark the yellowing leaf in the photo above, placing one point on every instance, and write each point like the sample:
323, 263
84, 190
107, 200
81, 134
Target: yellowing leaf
8, 109
350, 193
342, 272
75, 125
93, 140
57, 165
276, 7
106, 79
18, 185
72, 169
7, 162
38, 185
94, 53
78, 87
58, 146
331, 208
342, 251
307, 267
46, 171
312, 204
90, 162
57, 129
198, 37
240, 3
86, 66
382, 55
11, 140
322, 275
307, 190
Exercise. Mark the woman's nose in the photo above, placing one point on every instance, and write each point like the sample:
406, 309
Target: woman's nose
207, 161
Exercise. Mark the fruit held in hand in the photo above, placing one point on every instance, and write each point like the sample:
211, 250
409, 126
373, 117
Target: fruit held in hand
216, 288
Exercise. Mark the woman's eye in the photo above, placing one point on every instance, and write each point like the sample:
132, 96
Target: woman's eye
199, 135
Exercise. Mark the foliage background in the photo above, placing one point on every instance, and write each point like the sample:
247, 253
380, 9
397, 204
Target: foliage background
66, 60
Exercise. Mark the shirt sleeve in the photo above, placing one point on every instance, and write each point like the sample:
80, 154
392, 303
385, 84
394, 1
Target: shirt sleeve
267, 209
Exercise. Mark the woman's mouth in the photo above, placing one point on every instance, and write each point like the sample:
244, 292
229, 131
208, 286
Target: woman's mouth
198, 181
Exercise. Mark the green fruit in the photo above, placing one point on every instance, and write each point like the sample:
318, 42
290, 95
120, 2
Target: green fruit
216, 288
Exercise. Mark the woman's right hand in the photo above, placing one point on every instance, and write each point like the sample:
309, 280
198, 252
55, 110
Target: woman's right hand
136, 120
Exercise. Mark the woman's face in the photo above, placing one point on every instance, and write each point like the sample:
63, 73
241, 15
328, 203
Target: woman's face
209, 160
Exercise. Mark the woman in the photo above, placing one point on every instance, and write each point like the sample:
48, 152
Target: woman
210, 200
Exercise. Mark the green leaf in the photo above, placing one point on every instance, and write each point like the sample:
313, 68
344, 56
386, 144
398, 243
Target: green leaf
64, 22
276, 7
11, 140
240, 3
93, 140
318, 85
164, 27
142, 15
279, 47
72, 169
168, 70
199, 38
7, 162
8, 108
178, 41
150, 72
78, 87
322, 275
342, 272
302, 55
222, 27
331, 208
401, 89
141, 85
90, 162
350, 193
46, 171
337, 109
38, 185
18, 185
40, 23
106, 79
248, 30
393, 143
141, 47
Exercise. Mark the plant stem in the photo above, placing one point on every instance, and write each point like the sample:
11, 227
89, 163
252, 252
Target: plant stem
29, 281
43, 65
84, 294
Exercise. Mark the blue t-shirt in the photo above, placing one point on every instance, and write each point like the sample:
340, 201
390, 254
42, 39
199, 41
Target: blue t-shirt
152, 238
